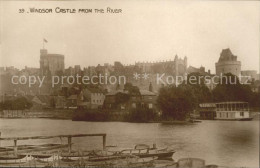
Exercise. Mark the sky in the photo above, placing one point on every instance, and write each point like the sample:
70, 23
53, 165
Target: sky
145, 31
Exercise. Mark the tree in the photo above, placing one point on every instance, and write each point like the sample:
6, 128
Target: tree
175, 102
198, 88
230, 89
20, 103
132, 90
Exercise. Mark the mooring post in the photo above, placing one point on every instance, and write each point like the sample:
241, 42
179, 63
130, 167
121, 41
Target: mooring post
104, 141
69, 143
15, 147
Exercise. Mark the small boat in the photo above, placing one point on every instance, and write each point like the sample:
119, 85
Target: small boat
32, 148
44, 158
195, 121
188, 122
97, 156
41, 156
72, 156
245, 119
144, 151
11, 159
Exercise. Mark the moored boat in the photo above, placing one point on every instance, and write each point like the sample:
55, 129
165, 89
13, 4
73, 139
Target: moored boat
11, 159
33, 148
72, 156
145, 151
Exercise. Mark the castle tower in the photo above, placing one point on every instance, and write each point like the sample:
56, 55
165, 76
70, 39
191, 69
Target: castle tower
43, 52
51, 63
228, 63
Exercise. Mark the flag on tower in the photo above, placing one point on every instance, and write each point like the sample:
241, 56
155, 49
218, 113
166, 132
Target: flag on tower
45, 40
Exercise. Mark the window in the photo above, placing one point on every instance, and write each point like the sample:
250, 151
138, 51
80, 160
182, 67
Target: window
227, 115
150, 105
134, 105
242, 114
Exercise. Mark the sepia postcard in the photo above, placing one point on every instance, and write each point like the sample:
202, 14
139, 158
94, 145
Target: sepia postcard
131, 83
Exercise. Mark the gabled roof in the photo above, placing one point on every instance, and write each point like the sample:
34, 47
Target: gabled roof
147, 93
44, 98
29, 97
41, 99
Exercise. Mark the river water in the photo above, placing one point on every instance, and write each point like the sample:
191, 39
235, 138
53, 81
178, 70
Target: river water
226, 143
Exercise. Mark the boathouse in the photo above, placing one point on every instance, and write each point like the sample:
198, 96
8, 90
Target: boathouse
207, 111
232, 111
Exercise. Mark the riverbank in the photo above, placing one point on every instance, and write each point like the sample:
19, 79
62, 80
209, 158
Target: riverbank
96, 115
44, 113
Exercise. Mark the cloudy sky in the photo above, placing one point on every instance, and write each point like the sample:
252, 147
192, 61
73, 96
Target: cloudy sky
145, 31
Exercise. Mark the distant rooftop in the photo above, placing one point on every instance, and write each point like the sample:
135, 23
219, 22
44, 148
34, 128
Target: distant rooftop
116, 91
226, 55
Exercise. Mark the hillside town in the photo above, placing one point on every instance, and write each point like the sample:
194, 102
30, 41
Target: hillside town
140, 78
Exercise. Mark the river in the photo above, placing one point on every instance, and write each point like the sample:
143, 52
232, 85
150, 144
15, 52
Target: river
226, 143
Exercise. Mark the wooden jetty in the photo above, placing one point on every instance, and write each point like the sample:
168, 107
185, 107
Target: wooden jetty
69, 137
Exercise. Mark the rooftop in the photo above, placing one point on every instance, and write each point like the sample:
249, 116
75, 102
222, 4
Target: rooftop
227, 55
147, 93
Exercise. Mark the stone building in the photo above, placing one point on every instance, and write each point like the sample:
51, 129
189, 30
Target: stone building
251, 74
51, 64
176, 67
95, 96
228, 63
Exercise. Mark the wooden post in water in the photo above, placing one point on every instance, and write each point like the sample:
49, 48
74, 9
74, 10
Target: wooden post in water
104, 141
15, 147
69, 143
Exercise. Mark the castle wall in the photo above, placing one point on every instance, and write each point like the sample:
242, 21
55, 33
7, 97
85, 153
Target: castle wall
233, 67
